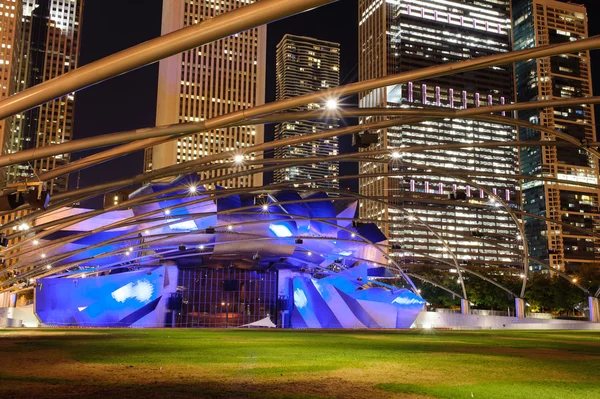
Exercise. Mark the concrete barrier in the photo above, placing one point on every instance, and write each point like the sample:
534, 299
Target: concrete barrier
18, 317
459, 321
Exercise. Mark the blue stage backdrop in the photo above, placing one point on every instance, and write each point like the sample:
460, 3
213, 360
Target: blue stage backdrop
349, 300
129, 299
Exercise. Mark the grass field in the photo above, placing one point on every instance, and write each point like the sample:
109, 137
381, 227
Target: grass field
299, 364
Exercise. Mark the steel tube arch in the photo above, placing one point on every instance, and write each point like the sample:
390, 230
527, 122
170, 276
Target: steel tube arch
435, 112
218, 27
367, 241
459, 267
237, 211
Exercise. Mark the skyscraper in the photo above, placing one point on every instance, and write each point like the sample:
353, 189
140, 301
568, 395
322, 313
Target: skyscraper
538, 23
41, 42
221, 77
10, 26
405, 35
306, 65
49, 47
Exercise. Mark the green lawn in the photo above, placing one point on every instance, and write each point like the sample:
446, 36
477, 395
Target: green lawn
299, 364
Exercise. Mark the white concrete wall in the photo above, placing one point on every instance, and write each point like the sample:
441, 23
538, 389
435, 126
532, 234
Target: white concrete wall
470, 322
18, 317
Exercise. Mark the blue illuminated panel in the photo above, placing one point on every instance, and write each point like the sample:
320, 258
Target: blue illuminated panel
345, 300
119, 300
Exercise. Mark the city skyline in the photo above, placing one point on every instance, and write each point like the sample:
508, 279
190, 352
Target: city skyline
178, 174
229, 75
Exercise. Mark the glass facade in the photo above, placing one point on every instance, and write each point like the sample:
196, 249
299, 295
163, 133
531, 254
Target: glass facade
405, 35
543, 22
227, 297
305, 65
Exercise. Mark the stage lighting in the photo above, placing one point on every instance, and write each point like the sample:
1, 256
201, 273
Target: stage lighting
38, 201
299, 241
11, 202
182, 247
210, 230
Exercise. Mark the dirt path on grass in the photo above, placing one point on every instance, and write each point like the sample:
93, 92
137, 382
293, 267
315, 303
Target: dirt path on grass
40, 371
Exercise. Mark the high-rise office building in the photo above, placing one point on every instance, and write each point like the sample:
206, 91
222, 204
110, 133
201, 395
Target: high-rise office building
538, 23
306, 65
40, 41
48, 47
221, 77
10, 27
404, 35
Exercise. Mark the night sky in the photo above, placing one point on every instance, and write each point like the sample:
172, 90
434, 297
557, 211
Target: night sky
129, 101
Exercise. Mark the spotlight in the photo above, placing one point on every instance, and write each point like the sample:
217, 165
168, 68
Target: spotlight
11, 202
574, 280
353, 235
130, 249
127, 253
48, 267
396, 155
256, 257
309, 253
182, 247
36, 242
331, 104
201, 247
43, 256
167, 212
238, 159
265, 207
193, 189
230, 227
24, 226
147, 232
40, 201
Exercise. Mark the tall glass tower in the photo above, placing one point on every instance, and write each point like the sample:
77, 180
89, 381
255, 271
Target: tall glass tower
42, 42
45, 45
306, 65
224, 76
538, 23
403, 35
